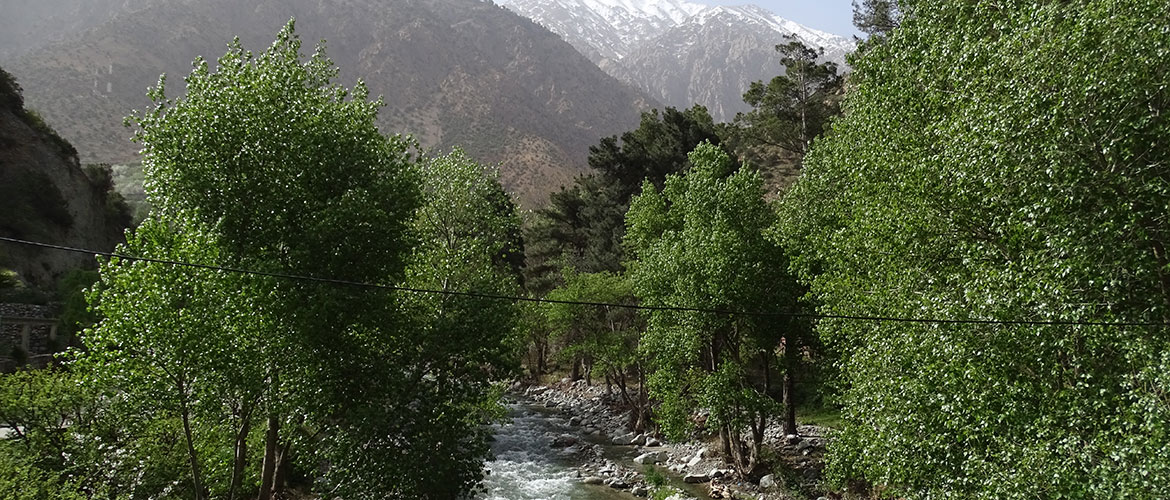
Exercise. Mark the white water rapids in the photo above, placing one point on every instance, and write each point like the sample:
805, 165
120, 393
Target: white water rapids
526, 467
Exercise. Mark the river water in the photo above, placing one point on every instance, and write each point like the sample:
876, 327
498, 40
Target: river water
526, 467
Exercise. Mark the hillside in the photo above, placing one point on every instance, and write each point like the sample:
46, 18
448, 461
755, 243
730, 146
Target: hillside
46, 196
678, 52
453, 72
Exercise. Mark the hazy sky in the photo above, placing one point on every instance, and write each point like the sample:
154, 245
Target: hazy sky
834, 16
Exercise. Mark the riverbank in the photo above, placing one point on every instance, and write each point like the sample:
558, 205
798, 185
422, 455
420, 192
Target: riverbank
597, 428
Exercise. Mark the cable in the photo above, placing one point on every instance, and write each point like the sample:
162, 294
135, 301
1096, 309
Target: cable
892, 319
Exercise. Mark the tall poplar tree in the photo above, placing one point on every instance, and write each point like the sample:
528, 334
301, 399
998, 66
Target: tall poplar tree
999, 162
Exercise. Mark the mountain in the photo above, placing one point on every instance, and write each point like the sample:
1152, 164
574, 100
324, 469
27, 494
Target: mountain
679, 52
453, 73
45, 195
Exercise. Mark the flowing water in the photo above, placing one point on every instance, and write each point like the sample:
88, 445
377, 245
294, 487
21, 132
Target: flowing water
526, 467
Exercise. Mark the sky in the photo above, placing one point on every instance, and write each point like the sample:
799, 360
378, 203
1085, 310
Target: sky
833, 16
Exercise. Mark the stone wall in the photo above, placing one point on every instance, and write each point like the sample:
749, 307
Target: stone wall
28, 332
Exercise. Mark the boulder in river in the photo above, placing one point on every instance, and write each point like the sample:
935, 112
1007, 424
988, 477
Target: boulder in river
593, 480
653, 457
695, 477
625, 439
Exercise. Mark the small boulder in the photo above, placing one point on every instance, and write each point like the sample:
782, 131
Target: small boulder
767, 482
593, 480
640, 491
575, 421
653, 457
624, 439
653, 442
618, 484
695, 460
695, 477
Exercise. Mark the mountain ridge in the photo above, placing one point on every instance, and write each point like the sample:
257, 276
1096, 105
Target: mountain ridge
453, 73
680, 52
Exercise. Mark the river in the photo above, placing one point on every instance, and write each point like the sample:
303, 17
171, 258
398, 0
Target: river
527, 467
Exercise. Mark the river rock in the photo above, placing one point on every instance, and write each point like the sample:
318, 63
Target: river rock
767, 482
640, 491
653, 442
618, 484
695, 459
575, 421
593, 480
695, 477
639, 440
625, 439
653, 457
563, 441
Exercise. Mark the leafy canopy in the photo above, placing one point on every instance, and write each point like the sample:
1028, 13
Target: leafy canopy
999, 161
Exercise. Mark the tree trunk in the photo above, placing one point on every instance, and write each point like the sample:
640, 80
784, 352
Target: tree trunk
725, 440
196, 478
588, 360
280, 476
241, 453
271, 450
790, 362
575, 371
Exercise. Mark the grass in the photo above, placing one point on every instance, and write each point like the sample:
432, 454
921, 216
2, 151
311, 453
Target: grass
824, 416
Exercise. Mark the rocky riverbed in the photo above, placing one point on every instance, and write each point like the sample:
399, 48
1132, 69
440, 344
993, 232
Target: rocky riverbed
594, 456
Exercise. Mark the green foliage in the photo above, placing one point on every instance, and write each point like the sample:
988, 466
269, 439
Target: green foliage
607, 335
583, 224
999, 161
877, 18
700, 243
37, 122
75, 315
791, 109
654, 476
59, 427
466, 228
21, 480
264, 164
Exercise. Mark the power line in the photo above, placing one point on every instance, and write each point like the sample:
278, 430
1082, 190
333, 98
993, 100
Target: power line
359, 284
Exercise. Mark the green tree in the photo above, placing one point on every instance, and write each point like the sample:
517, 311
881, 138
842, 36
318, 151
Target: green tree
999, 162
605, 337
877, 18
466, 228
792, 109
700, 243
263, 164
583, 224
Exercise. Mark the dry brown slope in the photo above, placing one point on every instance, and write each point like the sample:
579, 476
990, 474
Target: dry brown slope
453, 72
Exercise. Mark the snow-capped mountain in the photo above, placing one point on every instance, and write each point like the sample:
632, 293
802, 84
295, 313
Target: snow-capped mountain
680, 52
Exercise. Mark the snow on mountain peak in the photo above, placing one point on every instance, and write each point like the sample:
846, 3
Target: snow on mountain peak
615, 26
677, 51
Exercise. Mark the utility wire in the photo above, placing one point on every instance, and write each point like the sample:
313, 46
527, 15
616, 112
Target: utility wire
359, 284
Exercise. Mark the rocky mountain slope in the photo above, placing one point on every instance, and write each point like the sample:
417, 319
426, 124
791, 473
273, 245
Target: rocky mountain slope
679, 52
453, 72
46, 196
